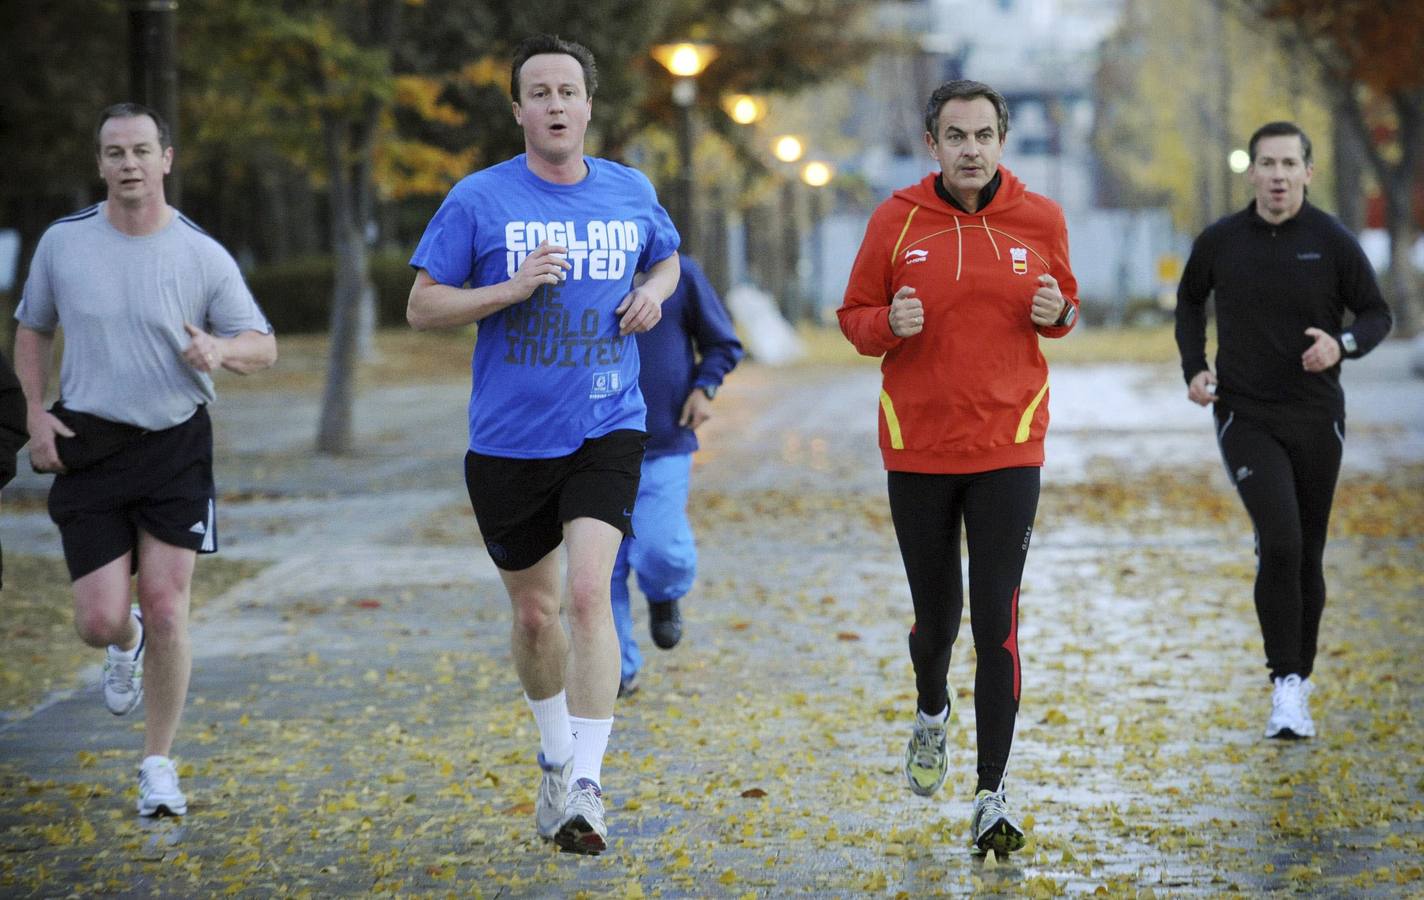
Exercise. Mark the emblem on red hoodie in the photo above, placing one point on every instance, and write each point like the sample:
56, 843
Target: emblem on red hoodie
1020, 258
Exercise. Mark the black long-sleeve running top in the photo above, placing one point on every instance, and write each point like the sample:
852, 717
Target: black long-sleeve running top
1272, 282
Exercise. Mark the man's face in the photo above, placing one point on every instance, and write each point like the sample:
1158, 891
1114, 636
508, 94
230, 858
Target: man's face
1279, 174
554, 107
967, 144
131, 162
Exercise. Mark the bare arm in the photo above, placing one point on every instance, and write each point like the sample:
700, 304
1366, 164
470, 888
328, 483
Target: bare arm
34, 353
436, 305
243, 353
643, 307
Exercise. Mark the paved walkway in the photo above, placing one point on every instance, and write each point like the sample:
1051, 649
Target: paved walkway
355, 727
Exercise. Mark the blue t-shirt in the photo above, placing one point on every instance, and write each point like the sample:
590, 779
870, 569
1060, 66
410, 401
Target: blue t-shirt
550, 372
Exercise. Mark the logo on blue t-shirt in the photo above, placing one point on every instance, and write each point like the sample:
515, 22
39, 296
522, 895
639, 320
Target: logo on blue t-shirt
597, 250
605, 384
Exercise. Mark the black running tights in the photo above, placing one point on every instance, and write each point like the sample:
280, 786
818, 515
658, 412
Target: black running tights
1285, 473
997, 510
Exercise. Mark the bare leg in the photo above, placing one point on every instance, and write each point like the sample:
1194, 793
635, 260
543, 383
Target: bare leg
538, 641
165, 581
101, 606
594, 658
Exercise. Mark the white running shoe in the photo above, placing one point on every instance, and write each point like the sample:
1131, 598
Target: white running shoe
583, 829
1287, 719
123, 674
158, 790
926, 758
991, 828
1306, 722
553, 789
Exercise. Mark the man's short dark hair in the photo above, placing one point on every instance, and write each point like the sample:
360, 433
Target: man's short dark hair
1280, 129
964, 89
130, 110
552, 43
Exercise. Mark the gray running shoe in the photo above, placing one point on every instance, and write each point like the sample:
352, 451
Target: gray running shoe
583, 829
553, 787
991, 828
926, 759
158, 790
123, 674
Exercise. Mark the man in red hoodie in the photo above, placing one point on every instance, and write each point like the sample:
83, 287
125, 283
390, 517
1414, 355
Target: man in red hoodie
957, 278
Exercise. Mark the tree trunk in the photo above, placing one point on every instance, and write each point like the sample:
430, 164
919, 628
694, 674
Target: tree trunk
350, 149
1348, 169
1399, 205
1402, 282
349, 255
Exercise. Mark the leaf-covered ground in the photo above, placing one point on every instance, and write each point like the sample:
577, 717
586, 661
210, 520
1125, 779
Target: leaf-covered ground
391, 754
377, 745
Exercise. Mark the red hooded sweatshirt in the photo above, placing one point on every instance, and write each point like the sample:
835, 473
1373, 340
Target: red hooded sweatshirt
969, 393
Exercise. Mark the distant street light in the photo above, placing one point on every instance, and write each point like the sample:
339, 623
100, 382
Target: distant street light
787, 148
744, 109
685, 61
817, 173
1239, 160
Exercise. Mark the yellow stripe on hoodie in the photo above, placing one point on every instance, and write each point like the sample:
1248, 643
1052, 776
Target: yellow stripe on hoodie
1027, 420
892, 421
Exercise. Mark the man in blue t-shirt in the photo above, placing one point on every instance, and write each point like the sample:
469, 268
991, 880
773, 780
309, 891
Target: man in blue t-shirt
541, 251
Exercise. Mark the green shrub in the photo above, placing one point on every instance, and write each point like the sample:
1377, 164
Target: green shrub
296, 294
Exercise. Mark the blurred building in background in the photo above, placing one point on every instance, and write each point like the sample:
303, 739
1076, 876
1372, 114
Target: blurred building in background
1041, 54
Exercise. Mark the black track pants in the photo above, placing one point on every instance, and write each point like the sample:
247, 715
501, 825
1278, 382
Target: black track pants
1285, 473
997, 510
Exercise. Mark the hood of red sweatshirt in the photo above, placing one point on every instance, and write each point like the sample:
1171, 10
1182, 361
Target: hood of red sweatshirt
1010, 194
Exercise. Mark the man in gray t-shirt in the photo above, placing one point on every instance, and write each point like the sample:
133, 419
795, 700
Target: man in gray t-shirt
150, 306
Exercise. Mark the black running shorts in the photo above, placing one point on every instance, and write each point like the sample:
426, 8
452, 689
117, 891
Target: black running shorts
161, 483
521, 505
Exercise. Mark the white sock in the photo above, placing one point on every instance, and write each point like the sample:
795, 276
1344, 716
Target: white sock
590, 742
552, 716
934, 720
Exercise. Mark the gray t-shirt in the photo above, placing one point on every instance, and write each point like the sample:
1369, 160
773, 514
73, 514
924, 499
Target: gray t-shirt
122, 302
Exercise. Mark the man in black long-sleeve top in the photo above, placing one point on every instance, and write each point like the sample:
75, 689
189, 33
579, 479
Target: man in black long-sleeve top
1283, 274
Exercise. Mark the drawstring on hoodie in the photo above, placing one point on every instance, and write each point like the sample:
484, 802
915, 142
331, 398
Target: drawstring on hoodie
959, 237
959, 264
992, 242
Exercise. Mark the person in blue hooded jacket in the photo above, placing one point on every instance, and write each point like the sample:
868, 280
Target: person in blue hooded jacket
684, 360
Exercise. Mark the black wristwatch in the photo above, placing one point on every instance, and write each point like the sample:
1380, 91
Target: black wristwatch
1070, 312
709, 389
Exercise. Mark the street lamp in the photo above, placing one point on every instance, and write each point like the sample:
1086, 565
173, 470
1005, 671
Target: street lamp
817, 174
788, 148
685, 61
